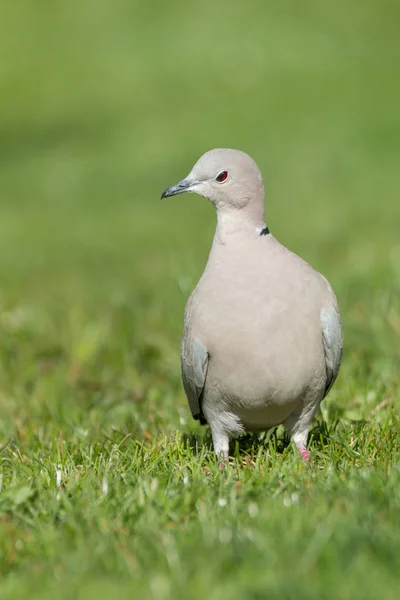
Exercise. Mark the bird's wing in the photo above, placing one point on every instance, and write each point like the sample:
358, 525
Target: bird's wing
332, 336
194, 362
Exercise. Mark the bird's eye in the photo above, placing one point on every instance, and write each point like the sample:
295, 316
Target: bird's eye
221, 177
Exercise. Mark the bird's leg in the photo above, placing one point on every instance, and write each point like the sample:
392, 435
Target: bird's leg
300, 439
298, 425
304, 452
221, 424
221, 446
223, 462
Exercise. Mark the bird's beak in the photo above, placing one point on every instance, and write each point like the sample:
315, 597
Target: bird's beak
179, 188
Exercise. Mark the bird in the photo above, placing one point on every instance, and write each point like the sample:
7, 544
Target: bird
262, 337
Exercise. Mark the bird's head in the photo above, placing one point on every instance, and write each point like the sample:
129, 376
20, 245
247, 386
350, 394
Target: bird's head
230, 179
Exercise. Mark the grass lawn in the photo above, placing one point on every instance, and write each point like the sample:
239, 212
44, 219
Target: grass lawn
108, 488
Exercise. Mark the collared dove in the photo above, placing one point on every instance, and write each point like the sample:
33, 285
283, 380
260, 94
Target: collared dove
262, 340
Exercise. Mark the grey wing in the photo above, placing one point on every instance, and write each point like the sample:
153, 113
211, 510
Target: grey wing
332, 336
194, 362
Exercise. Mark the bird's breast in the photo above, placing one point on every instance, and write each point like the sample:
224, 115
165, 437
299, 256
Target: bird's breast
264, 341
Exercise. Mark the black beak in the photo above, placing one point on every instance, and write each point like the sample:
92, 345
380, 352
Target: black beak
179, 188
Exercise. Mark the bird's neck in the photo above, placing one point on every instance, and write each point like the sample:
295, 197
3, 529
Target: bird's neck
237, 222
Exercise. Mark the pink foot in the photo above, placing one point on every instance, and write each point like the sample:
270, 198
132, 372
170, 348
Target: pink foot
304, 452
223, 463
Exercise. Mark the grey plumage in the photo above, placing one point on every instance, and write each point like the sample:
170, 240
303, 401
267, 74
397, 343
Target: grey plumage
262, 340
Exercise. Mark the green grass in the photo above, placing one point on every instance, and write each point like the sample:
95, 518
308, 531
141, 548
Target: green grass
108, 489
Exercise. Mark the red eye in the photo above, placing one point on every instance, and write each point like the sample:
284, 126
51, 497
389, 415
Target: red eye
221, 177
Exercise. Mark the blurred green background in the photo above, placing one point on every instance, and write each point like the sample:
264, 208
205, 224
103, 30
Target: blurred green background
102, 106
